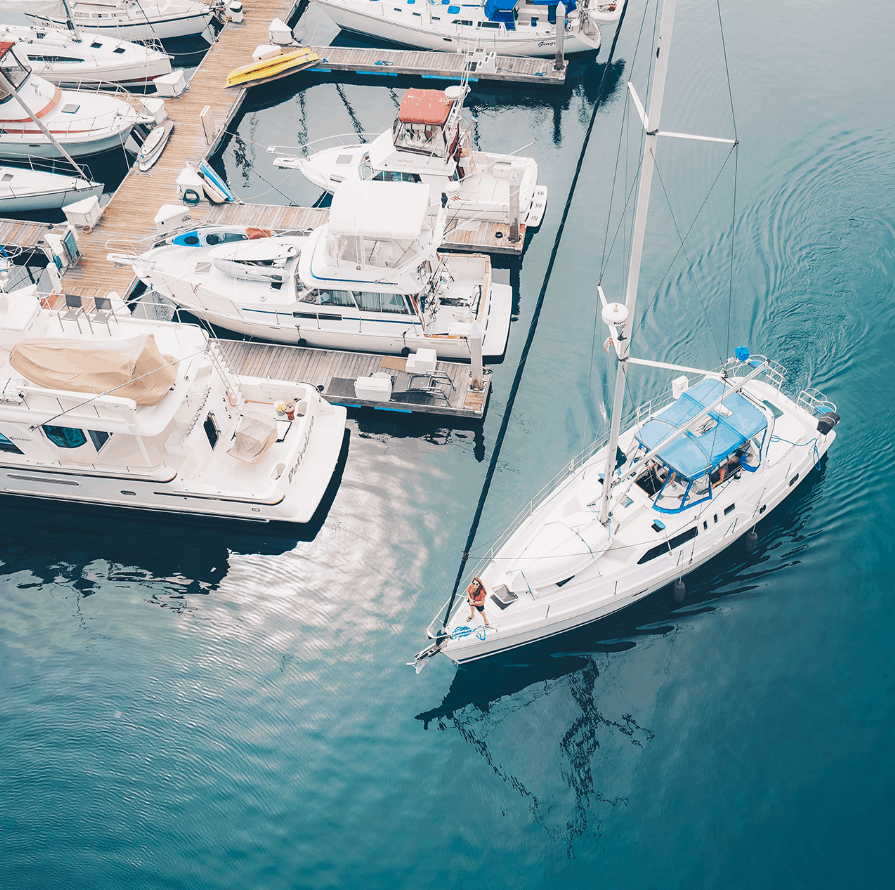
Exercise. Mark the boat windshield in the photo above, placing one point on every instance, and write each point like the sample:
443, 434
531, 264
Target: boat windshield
13, 69
424, 124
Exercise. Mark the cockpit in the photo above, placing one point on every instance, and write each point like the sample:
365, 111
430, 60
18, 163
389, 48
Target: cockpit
424, 124
13, 69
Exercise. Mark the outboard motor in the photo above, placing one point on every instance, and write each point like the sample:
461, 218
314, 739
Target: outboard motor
827, 422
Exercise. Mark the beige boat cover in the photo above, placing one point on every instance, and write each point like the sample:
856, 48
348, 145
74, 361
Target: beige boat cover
97, 367
254, 436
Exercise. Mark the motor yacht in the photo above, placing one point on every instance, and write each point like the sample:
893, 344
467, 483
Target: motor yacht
429, 142
27, 189
371, 279
62, 57
98, 407
507, 27
83, 122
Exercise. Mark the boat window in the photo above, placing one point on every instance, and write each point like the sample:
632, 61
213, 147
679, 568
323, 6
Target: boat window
35, 58
668, 546
64, 436
6, 445
365, 169
222, 237
368, 301
99, 438
730, 509
534, 21
71, 109
336, 298
96, 44
6, 177
119, 51
395, 176
489, 25
211, 430
394, 303
16, 73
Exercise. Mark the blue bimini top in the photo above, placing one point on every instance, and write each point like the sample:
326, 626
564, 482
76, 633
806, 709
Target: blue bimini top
693, 455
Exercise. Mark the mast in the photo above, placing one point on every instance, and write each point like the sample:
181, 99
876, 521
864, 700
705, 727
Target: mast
72, 24
651, 125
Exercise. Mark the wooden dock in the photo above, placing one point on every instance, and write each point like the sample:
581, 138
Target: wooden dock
475, 237
439, 66
22, 236
336, 372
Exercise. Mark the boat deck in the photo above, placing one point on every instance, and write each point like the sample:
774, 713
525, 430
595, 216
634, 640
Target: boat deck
477, 237
336, 372
440, 66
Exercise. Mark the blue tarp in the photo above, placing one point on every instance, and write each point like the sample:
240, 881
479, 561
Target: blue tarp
494, 6
692, 455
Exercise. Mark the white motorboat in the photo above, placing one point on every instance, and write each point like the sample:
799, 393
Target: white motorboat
693, 472
62, 57
370, 279
98, 407
27, 189
122, 19
429, 142
82, 122
507, 27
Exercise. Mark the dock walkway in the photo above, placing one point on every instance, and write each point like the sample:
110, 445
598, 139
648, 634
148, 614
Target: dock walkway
17, 235
336, 372
439, 66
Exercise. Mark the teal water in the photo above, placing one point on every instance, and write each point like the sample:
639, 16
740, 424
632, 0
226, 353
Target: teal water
197, 706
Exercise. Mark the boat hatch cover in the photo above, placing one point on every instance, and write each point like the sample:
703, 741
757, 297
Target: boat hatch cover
736, 421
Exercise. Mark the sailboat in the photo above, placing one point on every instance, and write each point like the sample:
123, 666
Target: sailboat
677, 482
508, 27
124, 19
24, 189
63, 57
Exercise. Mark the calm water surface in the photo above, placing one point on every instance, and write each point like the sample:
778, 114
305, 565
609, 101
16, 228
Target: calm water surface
209, 706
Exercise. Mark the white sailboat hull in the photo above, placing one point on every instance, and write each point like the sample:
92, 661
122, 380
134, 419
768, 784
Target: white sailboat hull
379, 20
27, 190
612, 584
150, 21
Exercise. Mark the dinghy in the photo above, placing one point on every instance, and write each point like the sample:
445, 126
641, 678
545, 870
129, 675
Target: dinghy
155, 143
268, 70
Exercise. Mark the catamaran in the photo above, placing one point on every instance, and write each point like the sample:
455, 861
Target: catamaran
429, 142
508, 27
98, 407
677, 482
37, 119
371, 279
63, 57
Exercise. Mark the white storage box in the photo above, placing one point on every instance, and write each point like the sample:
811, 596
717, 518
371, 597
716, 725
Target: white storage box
422, 361
280, 33
83, 213
265, 51
373, 389
170, 85
155, 107
171, 217
190, 179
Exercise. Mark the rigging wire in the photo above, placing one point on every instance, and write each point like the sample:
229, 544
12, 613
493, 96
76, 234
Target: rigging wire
533, 325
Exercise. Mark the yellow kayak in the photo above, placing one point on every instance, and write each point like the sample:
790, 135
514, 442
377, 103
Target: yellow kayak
272, 69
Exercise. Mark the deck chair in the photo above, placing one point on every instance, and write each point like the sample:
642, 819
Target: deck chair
74, 309
103, 312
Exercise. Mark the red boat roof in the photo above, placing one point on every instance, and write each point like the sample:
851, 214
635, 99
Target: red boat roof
424, 107
5, 47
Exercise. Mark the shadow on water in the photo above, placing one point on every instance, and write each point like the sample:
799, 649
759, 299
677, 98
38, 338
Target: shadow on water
571, 694
191, 552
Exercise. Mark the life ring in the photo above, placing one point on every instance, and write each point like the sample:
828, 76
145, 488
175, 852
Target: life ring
191, 197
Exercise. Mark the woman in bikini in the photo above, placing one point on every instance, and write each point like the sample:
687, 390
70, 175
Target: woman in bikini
476, 594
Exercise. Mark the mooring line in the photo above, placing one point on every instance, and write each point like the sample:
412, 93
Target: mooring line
495, 454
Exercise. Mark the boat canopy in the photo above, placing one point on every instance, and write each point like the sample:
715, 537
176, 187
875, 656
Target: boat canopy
379, 210
131, 368
728, 427
430, 107
13, 68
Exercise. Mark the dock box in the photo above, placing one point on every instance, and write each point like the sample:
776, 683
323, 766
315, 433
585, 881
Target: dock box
171, 217
422, 361
374, 389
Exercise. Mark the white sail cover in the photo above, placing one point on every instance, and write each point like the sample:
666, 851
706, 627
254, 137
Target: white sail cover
387, 210
98, 367
254, 436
